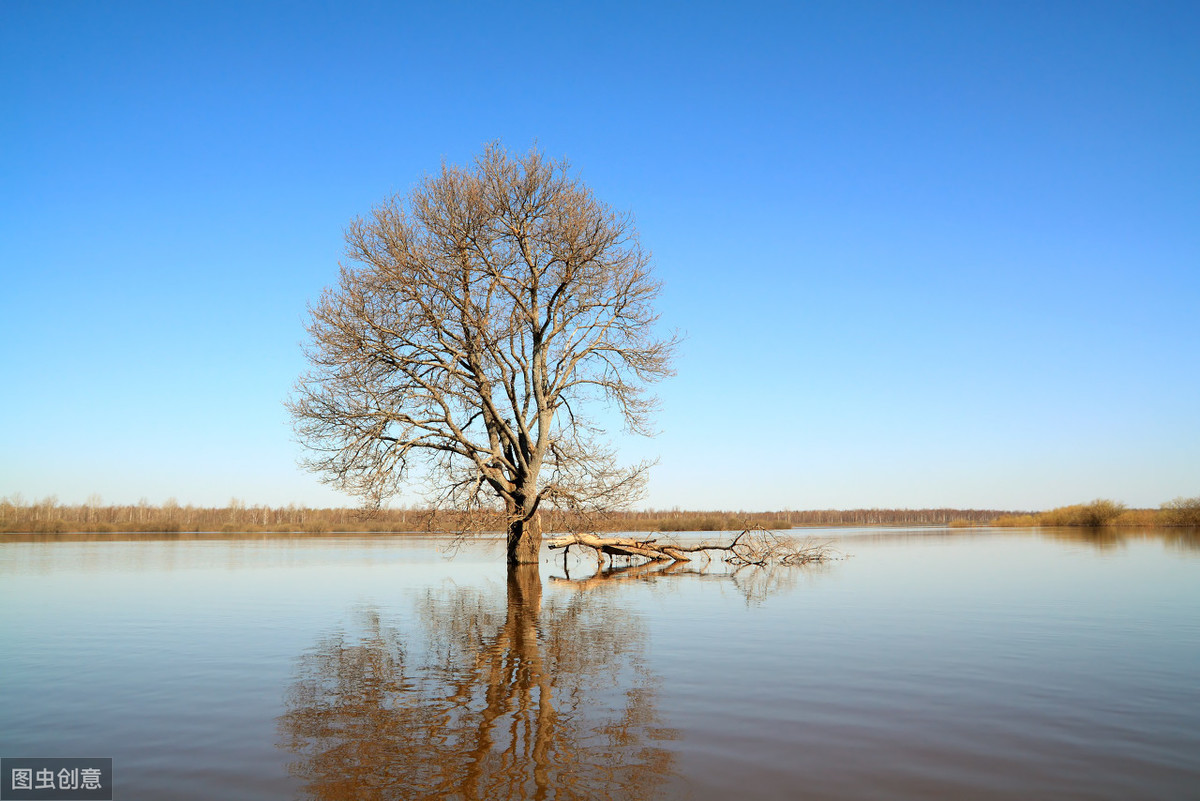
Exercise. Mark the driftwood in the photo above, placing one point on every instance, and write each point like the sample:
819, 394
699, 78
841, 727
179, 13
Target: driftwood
753, 546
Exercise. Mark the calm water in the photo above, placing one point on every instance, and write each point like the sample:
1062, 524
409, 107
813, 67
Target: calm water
929, 664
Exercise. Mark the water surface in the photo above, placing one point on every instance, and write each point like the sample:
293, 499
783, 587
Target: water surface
928, 664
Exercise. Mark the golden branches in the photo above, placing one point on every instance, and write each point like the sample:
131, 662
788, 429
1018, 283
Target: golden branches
753, 546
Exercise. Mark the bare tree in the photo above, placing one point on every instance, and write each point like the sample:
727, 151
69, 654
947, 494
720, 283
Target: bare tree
479, 320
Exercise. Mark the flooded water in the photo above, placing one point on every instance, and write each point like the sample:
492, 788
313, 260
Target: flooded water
929, 664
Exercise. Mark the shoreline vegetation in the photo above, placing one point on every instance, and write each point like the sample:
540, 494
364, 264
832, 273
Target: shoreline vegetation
49, 516
1101, 513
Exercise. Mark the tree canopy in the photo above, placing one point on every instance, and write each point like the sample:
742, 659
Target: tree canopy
477, 325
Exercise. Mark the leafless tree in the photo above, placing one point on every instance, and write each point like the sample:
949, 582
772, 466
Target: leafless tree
477, 322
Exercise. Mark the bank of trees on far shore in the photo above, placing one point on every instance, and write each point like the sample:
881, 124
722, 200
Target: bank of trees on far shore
1104, 512
49, 516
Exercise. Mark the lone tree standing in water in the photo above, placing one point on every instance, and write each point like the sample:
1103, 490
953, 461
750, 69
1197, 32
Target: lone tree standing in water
477, 322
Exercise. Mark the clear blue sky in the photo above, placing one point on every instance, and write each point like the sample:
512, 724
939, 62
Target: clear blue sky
925, 254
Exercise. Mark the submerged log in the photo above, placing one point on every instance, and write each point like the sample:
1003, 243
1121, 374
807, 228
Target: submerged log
753, 546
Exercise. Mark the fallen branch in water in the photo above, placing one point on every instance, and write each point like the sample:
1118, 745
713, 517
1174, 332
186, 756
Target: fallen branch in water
754, 546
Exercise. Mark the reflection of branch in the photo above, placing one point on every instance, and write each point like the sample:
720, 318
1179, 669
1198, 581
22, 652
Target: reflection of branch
641, 572
755, 582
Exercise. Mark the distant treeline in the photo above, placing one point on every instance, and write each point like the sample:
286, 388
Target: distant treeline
49, 516
1103, 512
675, 520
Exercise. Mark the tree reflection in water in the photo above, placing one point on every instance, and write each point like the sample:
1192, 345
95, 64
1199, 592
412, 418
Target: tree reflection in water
755, 583
530, 700
1110, 538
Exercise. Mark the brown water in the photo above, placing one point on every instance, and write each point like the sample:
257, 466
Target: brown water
930, 664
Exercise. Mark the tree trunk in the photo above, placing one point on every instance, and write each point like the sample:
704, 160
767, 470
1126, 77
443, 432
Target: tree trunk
525, 540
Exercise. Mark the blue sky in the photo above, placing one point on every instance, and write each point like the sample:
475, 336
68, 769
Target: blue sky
925, 254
